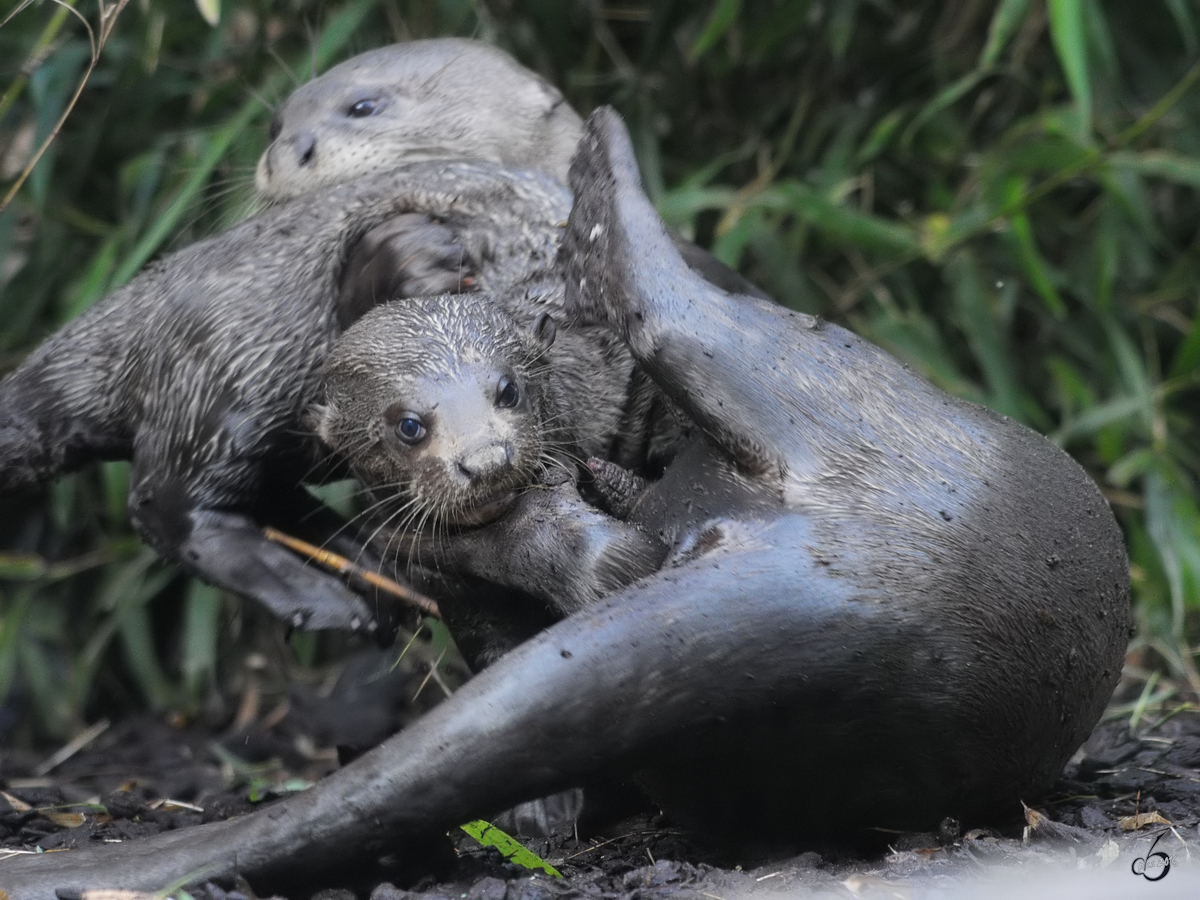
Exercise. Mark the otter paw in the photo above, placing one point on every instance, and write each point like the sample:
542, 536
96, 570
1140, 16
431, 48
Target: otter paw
411, 255
618, 489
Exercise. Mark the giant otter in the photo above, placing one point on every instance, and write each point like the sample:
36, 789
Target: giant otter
867, 576
171, 369
445, 98
448, 411
199, 368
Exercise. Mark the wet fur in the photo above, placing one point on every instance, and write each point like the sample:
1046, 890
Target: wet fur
199, 369
941, 630
441, 358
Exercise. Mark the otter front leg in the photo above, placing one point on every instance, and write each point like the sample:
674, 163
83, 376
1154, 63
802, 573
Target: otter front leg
60, 408
411, 255
228, 549
556, 547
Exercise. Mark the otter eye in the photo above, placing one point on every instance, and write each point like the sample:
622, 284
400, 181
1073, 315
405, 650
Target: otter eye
410, 430
363, 108
506, 393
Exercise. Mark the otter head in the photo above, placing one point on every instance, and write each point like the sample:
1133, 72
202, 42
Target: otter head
449, 98
440, 405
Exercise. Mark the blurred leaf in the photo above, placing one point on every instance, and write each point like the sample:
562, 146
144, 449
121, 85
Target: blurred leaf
1173, 523
1069, 32
210, 10
1134, 465
1161, 164
842, 15
137, 639
777, 27
880, 136
1187, 357
1181, 11
944, 98
1005, 21
51, 87
1099, 40
1097, 417
1032, 263
724, 14
681, 205
201, 628
986, 337
839, 221
41, 673
22, 566
1136, 379
14, 608
1107, 257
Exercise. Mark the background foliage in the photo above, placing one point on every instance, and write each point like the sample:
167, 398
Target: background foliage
1001, 192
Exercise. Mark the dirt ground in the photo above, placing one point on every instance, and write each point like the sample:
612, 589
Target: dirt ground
1123, 820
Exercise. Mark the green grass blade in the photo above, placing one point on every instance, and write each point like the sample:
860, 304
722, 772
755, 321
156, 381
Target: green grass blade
1005, 22
1032, 262
1068, 30
1187, 357
1181, 12
201, 628
218, 141
724, 14
1173, 167
210, 10
947, 96
985, 334
839, 221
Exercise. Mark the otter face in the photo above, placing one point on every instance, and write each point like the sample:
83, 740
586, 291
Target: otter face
439, 405
449, 99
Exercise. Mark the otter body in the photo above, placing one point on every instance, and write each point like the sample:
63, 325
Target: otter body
199, 369
882, 605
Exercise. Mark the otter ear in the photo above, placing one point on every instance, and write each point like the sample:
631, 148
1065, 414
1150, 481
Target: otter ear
545, 329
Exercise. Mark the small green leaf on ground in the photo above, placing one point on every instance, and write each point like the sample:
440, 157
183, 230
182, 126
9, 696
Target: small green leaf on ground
490, 836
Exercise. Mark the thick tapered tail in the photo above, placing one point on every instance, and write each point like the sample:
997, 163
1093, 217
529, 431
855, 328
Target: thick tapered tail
592, 692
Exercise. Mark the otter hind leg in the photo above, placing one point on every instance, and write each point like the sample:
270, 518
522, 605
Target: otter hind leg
751, 671
750, 373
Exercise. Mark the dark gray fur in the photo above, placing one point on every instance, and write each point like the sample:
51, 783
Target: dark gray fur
883, 605
440, 359
198, 371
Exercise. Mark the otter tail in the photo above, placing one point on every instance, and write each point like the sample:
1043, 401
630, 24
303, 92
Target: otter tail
722, 666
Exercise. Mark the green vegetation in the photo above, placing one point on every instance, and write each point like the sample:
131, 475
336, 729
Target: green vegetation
1001, 192
488, 835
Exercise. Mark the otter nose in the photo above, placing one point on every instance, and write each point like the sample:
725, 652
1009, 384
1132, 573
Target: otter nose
485, 462
306, 148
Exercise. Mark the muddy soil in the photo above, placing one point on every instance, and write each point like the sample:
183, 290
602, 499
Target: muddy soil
1122, 821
